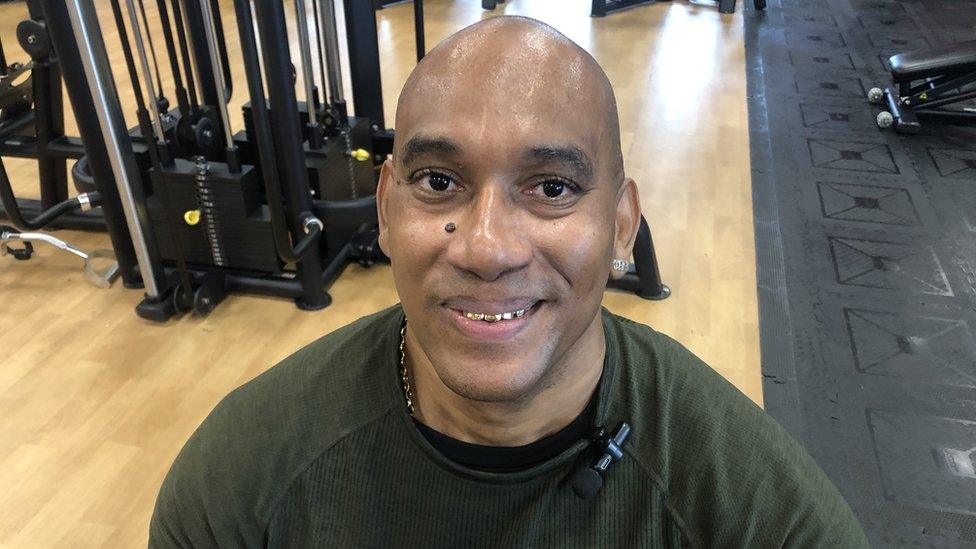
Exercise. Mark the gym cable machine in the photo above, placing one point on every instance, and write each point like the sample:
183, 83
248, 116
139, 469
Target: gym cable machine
194, 210
32, 126
206, 211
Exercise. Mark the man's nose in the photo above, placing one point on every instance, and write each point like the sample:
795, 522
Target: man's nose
490, 240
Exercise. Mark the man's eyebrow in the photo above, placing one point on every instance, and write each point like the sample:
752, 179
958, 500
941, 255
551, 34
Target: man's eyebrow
570, 155
420, 144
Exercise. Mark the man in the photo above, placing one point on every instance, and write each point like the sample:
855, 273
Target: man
465, 416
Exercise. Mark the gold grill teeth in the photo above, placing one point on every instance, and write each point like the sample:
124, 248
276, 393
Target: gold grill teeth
495, 318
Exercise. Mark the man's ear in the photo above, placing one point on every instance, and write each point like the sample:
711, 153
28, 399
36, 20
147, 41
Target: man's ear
382, 200
626, 223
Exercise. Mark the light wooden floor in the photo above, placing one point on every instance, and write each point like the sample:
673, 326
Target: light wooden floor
95, 403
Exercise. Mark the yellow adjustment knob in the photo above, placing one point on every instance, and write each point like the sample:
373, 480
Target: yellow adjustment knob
192, 217
361, 155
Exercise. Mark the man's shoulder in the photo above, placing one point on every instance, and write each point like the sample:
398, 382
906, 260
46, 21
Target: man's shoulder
326, 386
262, 435
660, 379
729, 470
335, 374
687, 405
654, 369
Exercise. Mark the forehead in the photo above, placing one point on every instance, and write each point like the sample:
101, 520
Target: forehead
492, 134
513, 98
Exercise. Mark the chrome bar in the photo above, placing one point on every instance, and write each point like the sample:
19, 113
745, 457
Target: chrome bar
94, 62
305, 49
198, 83
146, 72
331, 40
218, 69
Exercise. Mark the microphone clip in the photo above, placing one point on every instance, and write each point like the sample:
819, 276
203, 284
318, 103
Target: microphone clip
588, 481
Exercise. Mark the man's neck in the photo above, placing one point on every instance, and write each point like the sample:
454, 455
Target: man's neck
561, 396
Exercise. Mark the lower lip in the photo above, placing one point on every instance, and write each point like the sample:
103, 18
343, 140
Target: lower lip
502, 330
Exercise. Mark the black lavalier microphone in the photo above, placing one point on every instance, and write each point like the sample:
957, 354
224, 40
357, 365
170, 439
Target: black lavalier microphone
588, 480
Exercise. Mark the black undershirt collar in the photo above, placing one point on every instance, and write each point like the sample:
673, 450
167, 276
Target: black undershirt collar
510, 459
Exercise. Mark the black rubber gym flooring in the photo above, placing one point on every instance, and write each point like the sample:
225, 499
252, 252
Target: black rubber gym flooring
866, 249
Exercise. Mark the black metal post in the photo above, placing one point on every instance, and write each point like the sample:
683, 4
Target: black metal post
286, 129
263, 139
644, 278
364, 60
600, 8
200, 52
222, 47
48, 121
181, 98
62, 38
645, 265
188, 71
418, 28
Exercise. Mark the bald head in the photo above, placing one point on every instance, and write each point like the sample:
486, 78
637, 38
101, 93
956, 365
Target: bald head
514, 74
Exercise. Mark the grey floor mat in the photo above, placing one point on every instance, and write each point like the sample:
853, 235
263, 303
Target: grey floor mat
866, 250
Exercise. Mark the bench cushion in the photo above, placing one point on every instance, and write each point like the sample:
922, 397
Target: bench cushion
952, 58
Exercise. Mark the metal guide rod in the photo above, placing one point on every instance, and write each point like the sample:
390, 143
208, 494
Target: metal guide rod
94, 62
261, 65
305, 51
227, 92
218, 70
146, 72
194, 75
142, 113
331, 39
152, 48
319, 47
185, 54
181, 100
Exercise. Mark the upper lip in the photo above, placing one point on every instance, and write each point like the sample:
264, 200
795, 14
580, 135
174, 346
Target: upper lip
491, 307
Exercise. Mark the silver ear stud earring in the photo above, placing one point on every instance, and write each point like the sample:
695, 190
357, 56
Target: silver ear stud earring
621, 265
450, 227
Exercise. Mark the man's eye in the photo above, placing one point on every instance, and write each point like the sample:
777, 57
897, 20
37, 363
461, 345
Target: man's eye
554, 190
437, 181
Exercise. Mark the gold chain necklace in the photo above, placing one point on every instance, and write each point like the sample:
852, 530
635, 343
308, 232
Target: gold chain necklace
407, 392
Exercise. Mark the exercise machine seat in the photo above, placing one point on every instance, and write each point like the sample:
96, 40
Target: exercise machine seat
940, 60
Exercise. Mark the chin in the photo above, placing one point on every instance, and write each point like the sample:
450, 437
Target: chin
489, 381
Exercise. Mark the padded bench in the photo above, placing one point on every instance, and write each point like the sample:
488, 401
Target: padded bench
927, 82
934, 62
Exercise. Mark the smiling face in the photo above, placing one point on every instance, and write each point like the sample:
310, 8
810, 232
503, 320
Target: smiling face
508, 131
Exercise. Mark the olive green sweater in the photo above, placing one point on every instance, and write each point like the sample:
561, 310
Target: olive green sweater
319, 451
